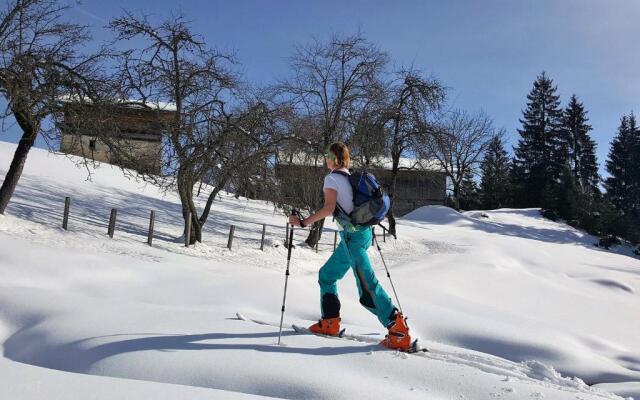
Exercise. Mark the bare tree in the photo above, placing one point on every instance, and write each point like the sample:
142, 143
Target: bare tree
457, 143
299, 166
253, 133
412, 102
214, 131
330, 80
39, 65
366, 128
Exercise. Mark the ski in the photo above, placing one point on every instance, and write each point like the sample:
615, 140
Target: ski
342, 336
360, 338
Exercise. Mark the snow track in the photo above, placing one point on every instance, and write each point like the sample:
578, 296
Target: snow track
532, 371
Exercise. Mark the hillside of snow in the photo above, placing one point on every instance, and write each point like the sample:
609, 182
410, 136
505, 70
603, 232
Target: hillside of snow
510, 305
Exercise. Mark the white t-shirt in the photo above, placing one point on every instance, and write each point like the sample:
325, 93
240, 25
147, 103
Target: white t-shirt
340, 184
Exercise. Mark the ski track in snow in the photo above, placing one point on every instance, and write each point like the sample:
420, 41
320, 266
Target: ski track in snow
530, 371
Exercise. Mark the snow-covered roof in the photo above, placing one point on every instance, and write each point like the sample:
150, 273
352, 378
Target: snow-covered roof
133, 103
408, 163
306, 159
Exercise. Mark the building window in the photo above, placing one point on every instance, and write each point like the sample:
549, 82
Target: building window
92, 144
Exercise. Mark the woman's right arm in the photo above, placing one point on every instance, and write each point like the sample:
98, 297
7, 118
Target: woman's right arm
330, 200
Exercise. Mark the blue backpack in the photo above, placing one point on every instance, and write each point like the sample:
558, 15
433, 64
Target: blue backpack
370, 202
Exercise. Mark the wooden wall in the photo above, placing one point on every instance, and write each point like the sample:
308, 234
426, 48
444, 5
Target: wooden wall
135, 130
414, 188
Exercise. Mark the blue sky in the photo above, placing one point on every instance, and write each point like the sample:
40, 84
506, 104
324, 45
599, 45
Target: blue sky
487, 52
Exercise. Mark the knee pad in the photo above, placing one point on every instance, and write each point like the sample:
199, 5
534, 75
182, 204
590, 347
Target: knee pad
330, 306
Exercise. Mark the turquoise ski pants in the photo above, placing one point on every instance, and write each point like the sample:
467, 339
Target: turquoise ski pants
351, 253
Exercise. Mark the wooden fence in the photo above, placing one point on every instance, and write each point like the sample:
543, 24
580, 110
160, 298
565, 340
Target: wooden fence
261, 229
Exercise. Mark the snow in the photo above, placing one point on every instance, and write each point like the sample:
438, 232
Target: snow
511, 305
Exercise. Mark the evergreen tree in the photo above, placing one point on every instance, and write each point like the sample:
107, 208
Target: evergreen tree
469, 196
570, 204
495, 167
623, 164
542, 151
583, 161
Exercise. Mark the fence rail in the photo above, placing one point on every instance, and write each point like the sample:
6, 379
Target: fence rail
262, 231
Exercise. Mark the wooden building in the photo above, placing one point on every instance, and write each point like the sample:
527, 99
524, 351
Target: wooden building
418, 183
93, 132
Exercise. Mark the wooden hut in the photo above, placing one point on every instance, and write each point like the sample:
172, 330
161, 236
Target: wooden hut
136, 130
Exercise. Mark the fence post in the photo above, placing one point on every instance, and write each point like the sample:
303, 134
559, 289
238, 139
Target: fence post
373, 235
230, 242
264, 230
187, 236
384, 235
152, 217
112, 222
65, 218
335, 240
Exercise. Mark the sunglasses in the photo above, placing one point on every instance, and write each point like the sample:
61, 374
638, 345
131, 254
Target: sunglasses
330, 155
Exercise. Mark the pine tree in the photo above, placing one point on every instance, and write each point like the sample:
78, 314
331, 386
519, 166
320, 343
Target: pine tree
495, 167
469, 196
542, 151
623, 164
570, 203
583, 161
635, 173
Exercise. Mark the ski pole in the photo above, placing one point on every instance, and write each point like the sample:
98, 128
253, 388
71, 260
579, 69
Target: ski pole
375, 239
286, 281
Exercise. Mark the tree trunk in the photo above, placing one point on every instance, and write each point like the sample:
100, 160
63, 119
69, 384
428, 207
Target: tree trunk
315, 233
392, 219
392, 192
207, 208
199, 189
15, 169
185, 190
456, 196
196, 228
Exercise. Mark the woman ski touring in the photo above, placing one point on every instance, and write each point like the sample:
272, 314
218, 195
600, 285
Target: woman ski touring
350, 254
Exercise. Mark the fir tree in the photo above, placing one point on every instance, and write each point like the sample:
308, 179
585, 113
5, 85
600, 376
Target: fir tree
623, 164
542, 151
570, 203
495, 167
583, 161
469, 196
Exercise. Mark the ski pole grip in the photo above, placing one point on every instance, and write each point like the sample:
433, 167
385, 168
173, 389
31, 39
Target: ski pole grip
297, 214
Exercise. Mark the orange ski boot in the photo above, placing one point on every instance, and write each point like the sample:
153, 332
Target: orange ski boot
398, 337
326, 326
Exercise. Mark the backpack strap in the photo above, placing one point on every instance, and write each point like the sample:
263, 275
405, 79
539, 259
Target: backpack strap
335, 171
347, 175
